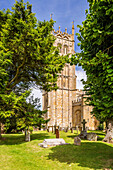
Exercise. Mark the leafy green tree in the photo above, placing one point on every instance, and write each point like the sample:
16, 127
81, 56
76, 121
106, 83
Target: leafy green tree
28, 46
96, 57
27, 55
27, 116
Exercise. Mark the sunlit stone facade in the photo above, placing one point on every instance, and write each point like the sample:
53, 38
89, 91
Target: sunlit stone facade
63, 108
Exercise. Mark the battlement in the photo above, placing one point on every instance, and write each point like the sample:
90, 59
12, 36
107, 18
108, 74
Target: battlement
62, 34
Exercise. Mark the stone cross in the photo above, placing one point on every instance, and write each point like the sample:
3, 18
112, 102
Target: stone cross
84, 122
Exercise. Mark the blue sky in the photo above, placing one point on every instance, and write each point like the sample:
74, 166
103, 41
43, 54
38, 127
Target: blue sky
64, 12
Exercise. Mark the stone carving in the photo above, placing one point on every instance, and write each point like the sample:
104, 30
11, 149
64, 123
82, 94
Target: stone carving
52, 142
92, 136
77, 141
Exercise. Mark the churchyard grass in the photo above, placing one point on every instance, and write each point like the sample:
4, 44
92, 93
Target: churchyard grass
15, 154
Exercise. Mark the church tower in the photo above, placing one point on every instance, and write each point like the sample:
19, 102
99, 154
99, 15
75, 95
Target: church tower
59, 103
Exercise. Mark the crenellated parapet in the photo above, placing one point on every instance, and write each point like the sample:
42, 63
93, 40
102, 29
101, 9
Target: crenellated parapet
64, 35
64, 41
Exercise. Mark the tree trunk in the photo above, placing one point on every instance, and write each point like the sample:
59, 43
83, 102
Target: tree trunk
27, 135
0, 130
109, 135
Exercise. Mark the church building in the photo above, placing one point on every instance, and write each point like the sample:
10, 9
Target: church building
66, 106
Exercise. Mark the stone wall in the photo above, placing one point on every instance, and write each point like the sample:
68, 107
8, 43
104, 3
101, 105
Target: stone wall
82, 111
66, 106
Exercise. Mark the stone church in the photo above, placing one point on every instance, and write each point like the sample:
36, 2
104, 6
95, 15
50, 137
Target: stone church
66, 106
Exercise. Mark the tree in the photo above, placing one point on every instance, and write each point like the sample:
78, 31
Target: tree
96, 57
27, 55
27, 115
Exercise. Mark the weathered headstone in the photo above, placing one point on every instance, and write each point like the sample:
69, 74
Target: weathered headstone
109, 135
77, 141
52, 142
92, 136
27, 137
77, 129
83, 134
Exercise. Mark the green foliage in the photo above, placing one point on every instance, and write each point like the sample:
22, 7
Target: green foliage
26, 115
96, 57
27, 56
28, 47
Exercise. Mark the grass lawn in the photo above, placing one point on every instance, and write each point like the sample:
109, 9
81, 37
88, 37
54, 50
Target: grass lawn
15, 154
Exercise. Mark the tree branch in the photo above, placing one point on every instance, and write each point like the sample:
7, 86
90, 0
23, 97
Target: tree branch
17, 72
108, 48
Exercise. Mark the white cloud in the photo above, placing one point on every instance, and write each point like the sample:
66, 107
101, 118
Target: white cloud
81, 74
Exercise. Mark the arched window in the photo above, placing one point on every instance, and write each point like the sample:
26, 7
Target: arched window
65, 49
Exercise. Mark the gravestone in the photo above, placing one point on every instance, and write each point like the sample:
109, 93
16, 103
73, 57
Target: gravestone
109, 135
77, 141
77, 129
92, 136
84, 122
27, 137
83, 134
52, 142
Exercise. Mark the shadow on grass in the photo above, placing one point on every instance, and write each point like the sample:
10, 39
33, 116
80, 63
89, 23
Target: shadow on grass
15, 139
90, 154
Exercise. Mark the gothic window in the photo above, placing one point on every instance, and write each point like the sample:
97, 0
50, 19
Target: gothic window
64, 83
65, 49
